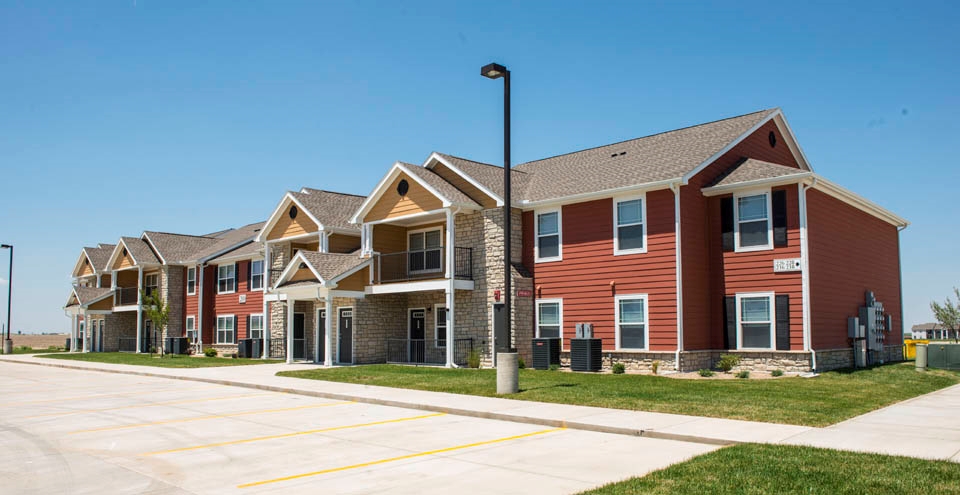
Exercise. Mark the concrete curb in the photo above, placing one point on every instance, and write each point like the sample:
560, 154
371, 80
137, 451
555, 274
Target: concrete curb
515, 418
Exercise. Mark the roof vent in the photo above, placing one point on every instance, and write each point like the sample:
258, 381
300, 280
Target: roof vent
403, 187
614, 155
772, 137
293, 212
124, 251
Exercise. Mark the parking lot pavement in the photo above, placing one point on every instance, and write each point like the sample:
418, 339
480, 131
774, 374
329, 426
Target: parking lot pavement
70, 431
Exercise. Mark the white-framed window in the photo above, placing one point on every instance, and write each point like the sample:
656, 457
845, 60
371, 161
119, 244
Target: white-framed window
256, 275
440, 325
150, 283
629, 225
549, 235
226, 329
192, 328
631, 312
549, 318
425, 250
755, 316
226, 279
191, 281
752, 225
256, 327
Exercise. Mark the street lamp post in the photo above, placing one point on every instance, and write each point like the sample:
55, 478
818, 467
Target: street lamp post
508, 380
7, 343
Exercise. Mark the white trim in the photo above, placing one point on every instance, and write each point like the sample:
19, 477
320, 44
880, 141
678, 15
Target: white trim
756, 184
536, 316
442, 248
290, 269
527, 205
439, 284
805, 265
409, 318
187, 321
792, 143
678, 258
117, 250
219, 278
857, 201
224, 258
404, 218
436, 334
216, 335
272, 221
263, 324
642, 197
187, 276
436, 158
536, 234
387, 179
706, 163
646, 320
736, 221
771, 296
77, 265
263, 276
145, 237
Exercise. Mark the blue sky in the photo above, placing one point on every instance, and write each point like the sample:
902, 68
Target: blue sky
119, 117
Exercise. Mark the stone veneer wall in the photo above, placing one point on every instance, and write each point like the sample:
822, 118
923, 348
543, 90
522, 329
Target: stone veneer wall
116, 325
172, 280
279, 257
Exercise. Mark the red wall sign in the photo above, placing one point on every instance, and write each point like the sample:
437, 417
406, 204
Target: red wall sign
524, 293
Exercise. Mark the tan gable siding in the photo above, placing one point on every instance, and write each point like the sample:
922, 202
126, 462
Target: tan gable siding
357, 281
303, 274
462, 184
287, 227
392, 205
123, 261
339, 243
85, 268
105, 304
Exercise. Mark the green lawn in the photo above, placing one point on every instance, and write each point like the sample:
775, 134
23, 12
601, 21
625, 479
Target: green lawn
169, 361
27, 350
763, 469
824, 400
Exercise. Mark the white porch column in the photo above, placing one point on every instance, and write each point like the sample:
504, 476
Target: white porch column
328, 330
85, 342
139, 309
99, 283
450, 292
290, 303
316, 333
73, 332
199, 323
267, 286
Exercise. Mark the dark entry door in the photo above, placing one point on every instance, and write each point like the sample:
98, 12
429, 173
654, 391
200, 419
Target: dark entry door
299, 349
345, 336
322, 325
100, 337
418, 322
501, 342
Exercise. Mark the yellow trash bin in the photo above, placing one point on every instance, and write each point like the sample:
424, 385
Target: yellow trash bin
910, 347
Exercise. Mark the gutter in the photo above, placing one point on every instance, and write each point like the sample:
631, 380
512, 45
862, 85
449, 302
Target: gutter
805, 274
675, 187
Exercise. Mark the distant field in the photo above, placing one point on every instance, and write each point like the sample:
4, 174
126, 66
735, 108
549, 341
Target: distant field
39, 341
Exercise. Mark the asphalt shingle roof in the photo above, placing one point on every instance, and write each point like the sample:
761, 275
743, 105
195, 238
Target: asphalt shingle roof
332, 265
99, 256
655, 158
88, 294
176, 248
491, 176
140, 251
445, 188
227, 240
332, 209
750, 170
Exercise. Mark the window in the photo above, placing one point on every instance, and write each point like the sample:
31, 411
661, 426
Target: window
549, 318
426, 251
226, 330
752, 222
755, 316
192, 328
226, 279
548, 247
256, 327
191, 281
631, 321
256, 275
440, 328
150, 283
628, 218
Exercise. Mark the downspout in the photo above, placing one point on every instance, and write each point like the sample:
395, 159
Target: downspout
675, 187
900, 273
805, 274
200, 311
267, 288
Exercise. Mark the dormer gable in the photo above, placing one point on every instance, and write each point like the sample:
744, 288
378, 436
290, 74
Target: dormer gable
408, 190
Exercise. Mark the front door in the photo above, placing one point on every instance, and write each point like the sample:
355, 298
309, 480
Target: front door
501, 341
322, 332
345, 336
299, 349
418, 322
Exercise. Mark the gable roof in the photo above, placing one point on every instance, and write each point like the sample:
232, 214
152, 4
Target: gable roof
446, 192
328, 209
88, 295
139, 250
752, 171
327, 267
99, 256
652, 159
489, 177
227, 241
176, 248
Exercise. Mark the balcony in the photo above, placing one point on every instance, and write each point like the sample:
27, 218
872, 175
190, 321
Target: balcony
429, 264
125, 296
427, 351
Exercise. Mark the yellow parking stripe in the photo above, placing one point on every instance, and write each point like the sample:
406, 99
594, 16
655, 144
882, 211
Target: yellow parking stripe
398, 458
134, 406
213, 416
294, 434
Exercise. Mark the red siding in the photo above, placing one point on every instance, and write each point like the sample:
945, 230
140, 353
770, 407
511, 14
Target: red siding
582, 279
851, 252
190, 302
703, 258
229, 304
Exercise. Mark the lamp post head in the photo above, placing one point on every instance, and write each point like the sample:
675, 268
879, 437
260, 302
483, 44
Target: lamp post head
5, 246
493, 71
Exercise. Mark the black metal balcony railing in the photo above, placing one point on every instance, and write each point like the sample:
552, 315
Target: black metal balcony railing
128, 344
125, 296
278, 349
427, 351
406, 266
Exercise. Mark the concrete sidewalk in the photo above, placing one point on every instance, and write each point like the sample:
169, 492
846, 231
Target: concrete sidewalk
882, 431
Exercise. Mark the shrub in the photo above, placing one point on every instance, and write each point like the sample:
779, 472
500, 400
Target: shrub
655, 366
153, 350
521, 363
619, 368
705, 373
727, 362
776, 373
473, 359
743, 374
554, 367
210, 352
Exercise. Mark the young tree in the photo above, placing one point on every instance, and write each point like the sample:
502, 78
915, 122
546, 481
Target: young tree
948, 313
158, 311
